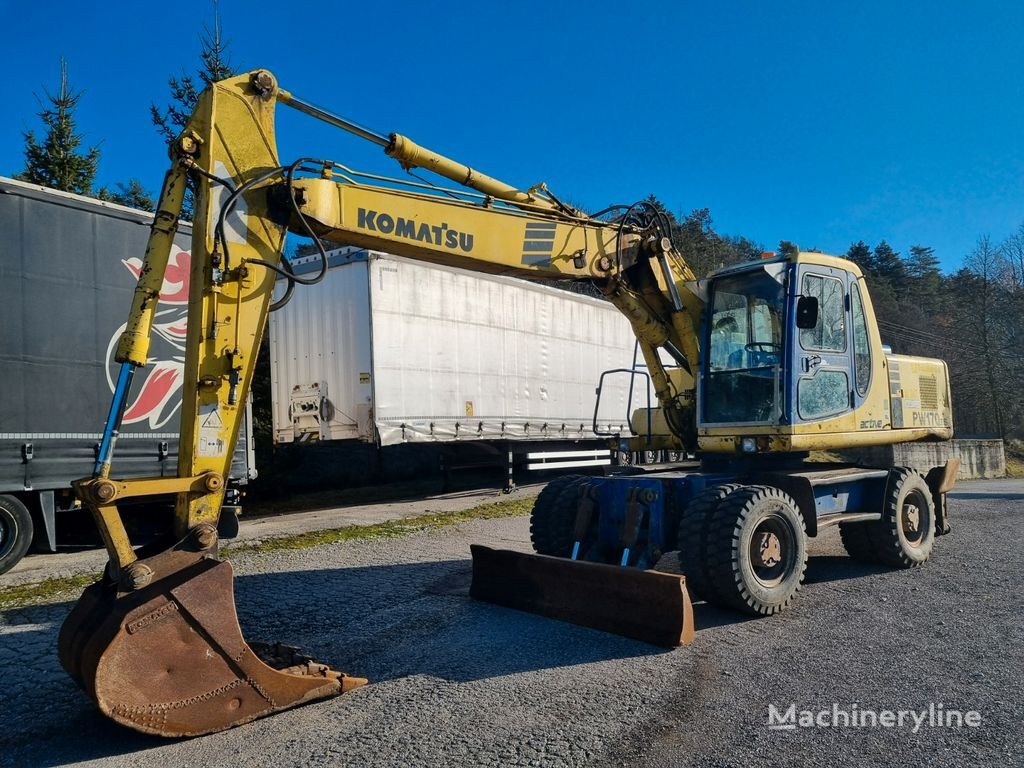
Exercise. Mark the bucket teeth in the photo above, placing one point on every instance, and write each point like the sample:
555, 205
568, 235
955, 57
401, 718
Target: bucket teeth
643, 605
291, 660
170, 659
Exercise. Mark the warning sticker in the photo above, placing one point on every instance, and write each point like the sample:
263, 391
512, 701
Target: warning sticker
211, 425
364, 378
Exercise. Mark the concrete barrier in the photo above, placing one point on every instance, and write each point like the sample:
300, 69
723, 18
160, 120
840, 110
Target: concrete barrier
978, 458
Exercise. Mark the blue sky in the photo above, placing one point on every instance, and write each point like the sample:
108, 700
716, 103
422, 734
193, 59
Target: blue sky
820, 123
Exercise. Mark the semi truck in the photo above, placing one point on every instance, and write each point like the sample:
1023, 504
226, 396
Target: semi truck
68, 264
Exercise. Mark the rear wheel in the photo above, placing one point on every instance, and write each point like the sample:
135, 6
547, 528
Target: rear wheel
553, 519
757, 551
692, 540
15, 532
905, 535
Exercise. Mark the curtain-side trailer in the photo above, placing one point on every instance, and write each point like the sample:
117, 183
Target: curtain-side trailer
391, 351
68, 266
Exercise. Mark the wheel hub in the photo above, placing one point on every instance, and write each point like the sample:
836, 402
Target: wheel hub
772, 550
769, 550
911, 518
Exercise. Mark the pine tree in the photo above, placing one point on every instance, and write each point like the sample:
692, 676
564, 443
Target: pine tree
890, 268
786, 248
185, 91
922, 267
922, 261
983, 316
132, 194
860, 254
57, 161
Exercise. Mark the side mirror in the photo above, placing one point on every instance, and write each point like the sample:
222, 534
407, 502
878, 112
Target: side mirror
806, 312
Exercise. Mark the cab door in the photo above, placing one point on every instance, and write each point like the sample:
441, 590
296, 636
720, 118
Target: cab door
823, 379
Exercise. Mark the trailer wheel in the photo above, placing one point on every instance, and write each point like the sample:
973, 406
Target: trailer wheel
15, 532
757, 550
692, 540
905, 535
554, 516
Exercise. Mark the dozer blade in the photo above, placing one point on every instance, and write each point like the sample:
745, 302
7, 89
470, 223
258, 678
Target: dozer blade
644, 605
169, 658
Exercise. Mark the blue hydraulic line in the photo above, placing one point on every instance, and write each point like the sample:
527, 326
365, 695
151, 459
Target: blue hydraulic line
113, 425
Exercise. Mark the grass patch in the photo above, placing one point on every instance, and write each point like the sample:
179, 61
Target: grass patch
389, 529
1014, 466
1014, 451
20, 595
45, 591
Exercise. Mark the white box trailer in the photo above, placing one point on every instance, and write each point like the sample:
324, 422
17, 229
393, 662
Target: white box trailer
389, 350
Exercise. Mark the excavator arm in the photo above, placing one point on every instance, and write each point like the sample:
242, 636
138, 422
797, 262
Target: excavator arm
170, 606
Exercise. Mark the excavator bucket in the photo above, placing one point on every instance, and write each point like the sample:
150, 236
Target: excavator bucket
643, 605
169, 658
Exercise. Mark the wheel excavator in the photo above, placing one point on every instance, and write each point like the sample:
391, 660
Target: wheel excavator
753, 368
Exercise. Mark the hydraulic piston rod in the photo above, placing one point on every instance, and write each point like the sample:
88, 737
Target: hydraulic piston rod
409, 155
337, 121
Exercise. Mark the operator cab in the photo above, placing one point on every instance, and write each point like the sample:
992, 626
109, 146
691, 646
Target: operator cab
785, 342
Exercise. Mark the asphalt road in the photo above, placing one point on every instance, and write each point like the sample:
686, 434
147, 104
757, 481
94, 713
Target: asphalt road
457, 683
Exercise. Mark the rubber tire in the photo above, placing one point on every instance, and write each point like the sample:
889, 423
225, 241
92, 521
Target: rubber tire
891, 545
553, 519
16, 523
857, 541
731, 572
884, 541
692, 538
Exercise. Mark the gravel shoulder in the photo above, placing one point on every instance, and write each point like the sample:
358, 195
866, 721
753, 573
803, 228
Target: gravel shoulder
259, 524
458, 683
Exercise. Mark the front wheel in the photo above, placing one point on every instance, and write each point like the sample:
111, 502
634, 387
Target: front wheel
15, 532
905, 535
757, 550
692, 539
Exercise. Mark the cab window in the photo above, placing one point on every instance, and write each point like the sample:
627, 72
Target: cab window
861, 348
827, 393
829, 335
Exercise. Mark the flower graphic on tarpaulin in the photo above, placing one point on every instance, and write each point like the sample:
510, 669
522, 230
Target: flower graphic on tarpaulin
159, 383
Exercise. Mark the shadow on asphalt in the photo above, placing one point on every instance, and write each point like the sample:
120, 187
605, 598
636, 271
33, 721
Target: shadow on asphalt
382, 622
825, 568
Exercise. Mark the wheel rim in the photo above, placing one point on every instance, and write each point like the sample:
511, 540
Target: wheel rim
914, 520
772, 550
